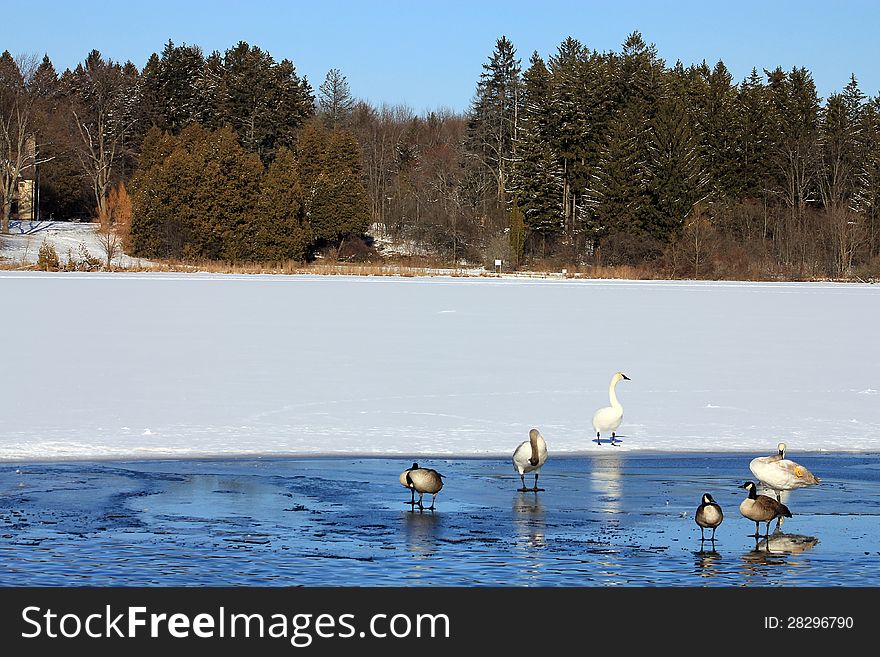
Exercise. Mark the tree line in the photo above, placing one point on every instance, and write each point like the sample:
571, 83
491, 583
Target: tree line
583, 158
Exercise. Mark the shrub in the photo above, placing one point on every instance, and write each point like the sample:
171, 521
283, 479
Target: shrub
47, 260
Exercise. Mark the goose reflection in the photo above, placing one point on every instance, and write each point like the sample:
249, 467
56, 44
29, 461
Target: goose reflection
707, 561
786, 543
528, 520
421, 533
775, 549
606, 482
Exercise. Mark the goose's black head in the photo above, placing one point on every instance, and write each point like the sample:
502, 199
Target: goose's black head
415, 466
707, 499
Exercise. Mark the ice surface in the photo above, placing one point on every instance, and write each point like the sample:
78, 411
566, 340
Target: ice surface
155, 365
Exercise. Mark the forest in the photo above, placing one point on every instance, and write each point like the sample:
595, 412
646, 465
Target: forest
583, 160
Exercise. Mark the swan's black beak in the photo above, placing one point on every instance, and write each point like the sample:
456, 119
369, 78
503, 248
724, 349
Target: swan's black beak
626, 378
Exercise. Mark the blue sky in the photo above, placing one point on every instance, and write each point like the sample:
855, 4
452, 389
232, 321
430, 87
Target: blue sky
429, 55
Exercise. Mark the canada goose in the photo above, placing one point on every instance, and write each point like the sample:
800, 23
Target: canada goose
708, 515
405, 483
778, 473
425, 480
760, 508
530, 456
610, 417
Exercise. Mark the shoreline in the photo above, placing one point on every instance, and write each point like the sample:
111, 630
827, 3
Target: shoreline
334, 456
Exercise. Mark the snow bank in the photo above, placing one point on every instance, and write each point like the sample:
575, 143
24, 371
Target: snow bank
22, 244
156, 365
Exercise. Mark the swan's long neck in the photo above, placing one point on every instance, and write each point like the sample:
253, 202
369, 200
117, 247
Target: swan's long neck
612, 395
535, 445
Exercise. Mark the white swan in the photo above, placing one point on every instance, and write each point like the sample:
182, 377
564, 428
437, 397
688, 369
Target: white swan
778, 473
610, 417
530, 456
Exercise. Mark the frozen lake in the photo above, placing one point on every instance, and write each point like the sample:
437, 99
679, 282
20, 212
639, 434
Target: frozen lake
615, 518
128, 366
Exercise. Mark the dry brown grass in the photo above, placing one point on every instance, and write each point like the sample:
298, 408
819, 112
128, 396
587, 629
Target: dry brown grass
413, 267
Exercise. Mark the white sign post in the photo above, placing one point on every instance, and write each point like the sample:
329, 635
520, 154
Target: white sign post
497, 266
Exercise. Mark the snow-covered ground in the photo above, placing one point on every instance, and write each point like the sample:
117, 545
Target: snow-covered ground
22, 244
156, 365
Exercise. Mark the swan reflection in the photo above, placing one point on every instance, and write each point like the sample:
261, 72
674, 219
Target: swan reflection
606, 482
528, 520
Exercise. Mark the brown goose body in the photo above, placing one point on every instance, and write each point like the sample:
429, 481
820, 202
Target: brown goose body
761, 508
425, 480
708, 515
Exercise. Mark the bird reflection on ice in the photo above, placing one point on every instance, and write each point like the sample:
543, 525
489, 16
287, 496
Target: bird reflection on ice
606, 482
421, 533
776, 549
778, 543
707, 561
528, 520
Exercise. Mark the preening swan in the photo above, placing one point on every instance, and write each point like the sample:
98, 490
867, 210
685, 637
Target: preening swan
424, 480
708, 515
610, 417
778, 473
530, 456
760, 508
405, 483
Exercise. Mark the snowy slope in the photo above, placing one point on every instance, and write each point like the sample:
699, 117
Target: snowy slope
104, 365
22, 244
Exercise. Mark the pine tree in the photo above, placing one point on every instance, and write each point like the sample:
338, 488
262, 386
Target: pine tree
621, 181
335, 100
677, 176
716, 118
264, 101
840, 160
536, 178
494, 117
795, 115
869, 197
753, 142
172, 98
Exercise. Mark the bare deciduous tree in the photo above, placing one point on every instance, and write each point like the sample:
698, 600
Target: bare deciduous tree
18, 146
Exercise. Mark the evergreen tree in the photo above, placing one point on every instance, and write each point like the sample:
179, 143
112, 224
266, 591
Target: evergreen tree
536, 178
716, 117
841, 158
621, 182
869, 196
199, 201
282, 232
677, 176
335, 100
339, 207
795, 124
171, 96
494, 116
753, 142
264, 101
